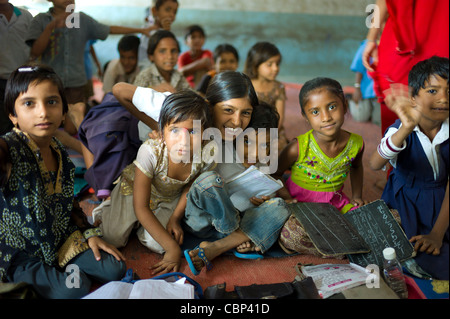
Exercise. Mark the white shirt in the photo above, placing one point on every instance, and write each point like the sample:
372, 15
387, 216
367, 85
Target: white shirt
431, 149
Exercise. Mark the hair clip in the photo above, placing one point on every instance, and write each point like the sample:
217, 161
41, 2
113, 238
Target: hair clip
27, 69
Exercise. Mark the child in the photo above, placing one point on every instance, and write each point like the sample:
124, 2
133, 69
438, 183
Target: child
60, 45
417, 147
162, 171
161, 75
194, 63
262, 66
323, 158
14, 24
226, 58
164, 13
124, 69
38, 209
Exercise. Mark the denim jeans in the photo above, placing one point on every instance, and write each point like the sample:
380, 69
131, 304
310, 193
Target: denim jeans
210, 214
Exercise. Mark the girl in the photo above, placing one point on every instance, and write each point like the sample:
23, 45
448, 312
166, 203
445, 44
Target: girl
163, 51
321, 160
38, 209
262, 66
417, 147
151, 194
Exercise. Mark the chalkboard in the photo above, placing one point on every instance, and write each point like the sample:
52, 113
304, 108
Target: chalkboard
375, 223
329, 231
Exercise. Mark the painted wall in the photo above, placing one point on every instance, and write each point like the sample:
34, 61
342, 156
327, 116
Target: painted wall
315, 37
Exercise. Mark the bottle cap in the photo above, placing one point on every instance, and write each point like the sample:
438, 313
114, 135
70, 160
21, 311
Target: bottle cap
389, 253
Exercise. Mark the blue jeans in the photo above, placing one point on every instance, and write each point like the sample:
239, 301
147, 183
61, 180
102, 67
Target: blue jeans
210, 214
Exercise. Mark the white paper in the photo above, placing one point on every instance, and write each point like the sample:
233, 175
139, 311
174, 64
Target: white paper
251, 183
112, 290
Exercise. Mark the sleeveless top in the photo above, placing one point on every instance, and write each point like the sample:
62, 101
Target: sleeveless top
34, 209
315, 171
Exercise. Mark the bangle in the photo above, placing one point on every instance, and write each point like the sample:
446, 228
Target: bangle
388, 150
357, 85
92, 232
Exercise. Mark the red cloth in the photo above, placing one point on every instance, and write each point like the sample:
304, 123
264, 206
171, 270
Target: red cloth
415, 30
186, 58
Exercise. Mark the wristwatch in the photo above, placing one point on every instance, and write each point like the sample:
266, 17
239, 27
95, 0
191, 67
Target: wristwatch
91, 232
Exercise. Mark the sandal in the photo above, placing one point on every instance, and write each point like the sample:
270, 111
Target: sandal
254, 255
201, 254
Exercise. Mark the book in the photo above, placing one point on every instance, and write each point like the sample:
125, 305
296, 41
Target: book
144, 289
251, 183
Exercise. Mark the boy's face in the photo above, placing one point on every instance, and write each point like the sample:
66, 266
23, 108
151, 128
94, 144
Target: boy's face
166, 14
166, 55
39, 111
195, 41
226, 62
433, 99
254, 145
129, 60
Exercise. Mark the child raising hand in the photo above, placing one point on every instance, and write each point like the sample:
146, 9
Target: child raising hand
416, 145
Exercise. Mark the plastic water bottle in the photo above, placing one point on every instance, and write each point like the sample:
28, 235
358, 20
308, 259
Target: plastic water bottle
393, 273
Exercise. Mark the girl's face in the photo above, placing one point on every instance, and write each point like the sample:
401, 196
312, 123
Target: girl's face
166, 55
433, 99
166, 14
39, 111
325, 112
226, 62
231, 115
182, 139
195, 41
269, 69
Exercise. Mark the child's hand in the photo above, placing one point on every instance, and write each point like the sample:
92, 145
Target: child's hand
358, 202
96, 243
166, 24
427, 243
398, 101
170, 263
175, 230
259, 201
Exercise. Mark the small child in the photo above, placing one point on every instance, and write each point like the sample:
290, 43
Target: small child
61, 46
125, 69
262, 66
37, 202
226, 58
163, 15
194, 63
417, 146
162, 172
161, 75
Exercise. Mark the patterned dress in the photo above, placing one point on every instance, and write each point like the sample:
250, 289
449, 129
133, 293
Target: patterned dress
35, 207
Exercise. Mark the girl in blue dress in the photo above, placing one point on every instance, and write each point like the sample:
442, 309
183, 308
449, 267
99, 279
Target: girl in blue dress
38, 215
417, 147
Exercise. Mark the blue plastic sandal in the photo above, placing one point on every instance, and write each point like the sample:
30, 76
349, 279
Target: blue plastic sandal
254, 256
201, 254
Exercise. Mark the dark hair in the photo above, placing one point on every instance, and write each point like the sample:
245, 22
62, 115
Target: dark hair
422, 71
157, 37
194, 28
331, 85
129, 43
20, 80
230, 85
184, 105
158, 3
264, 116
257, 55
225, 48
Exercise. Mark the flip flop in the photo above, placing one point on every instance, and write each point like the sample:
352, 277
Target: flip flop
201, 254
254, 256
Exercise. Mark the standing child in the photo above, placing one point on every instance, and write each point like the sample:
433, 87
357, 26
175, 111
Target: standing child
58, 40
125, 69
161, 75
417, 146
36, 195
163, 16
226, 58
193, 64
162, 172
262, 66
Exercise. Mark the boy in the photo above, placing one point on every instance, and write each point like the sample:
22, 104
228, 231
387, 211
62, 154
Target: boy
14, 52
226, 58
58, 38
194, 63
124, 69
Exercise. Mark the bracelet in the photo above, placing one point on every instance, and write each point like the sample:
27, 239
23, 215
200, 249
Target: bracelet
92, 232
388, 150
357, 85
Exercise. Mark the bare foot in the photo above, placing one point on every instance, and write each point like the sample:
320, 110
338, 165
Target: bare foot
210, 251
247, 247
